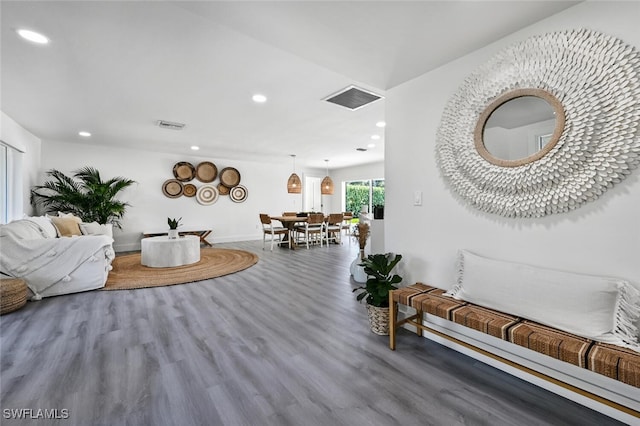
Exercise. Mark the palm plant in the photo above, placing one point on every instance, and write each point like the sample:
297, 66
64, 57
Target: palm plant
84, 194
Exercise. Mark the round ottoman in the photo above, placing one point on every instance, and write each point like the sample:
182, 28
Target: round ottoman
13, 294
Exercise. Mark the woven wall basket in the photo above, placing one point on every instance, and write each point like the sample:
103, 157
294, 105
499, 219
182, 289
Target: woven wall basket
378, 320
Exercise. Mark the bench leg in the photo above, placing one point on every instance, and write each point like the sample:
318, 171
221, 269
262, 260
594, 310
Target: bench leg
419, 321
393, 319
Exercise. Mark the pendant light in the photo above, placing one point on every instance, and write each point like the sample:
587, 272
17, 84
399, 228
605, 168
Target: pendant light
326, 187
294, 185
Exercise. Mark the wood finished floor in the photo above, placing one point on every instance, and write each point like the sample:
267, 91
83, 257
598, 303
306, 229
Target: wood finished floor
281, 343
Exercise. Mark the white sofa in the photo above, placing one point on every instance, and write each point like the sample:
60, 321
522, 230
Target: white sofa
53, 265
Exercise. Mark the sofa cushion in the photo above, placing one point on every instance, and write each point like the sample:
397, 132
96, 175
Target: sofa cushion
549, 341
615, 362
94, 228
66, 226
45, 224
484, 320
595, 307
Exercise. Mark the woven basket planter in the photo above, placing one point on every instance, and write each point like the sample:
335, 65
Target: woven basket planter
378, 320
13, 295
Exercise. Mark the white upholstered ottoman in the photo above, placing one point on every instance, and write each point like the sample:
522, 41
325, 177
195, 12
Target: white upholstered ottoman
163, 252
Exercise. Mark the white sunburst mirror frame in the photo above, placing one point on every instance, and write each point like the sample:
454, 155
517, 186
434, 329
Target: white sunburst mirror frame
592, 81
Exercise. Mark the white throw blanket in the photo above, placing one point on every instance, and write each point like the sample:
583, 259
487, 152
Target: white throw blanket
42, 262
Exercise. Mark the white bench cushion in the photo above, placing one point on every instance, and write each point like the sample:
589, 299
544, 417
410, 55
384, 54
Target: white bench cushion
601, 308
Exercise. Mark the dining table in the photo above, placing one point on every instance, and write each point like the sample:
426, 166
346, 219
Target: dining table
290, 222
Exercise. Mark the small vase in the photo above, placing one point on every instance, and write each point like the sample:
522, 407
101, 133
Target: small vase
357, 271
173, 234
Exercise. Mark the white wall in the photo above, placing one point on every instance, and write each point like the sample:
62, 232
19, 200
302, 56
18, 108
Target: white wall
29, 159
602, 237
266, 185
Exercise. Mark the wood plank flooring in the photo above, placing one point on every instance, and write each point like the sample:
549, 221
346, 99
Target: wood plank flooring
281, 343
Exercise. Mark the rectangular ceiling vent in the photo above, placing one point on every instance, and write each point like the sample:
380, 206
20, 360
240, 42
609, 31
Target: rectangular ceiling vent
353, 97
170, 125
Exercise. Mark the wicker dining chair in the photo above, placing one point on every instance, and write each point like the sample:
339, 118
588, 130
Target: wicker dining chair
333, 228
269, 229
346, 224
312, 229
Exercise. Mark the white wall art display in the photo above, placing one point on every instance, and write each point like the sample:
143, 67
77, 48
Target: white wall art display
238, 194
207, 194
591, 82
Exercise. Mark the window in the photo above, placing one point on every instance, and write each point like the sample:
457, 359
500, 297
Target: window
10, 183
363, 193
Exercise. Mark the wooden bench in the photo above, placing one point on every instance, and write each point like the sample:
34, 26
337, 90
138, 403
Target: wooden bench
615, 362
203, 234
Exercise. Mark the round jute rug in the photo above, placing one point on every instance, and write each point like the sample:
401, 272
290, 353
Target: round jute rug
128, 273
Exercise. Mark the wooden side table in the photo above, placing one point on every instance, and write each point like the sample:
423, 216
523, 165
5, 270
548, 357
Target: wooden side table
202, 234
13, 294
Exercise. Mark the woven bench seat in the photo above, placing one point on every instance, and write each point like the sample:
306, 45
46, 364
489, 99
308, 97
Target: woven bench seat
552, 342
616, 362
405, 294
436, 303
484, 320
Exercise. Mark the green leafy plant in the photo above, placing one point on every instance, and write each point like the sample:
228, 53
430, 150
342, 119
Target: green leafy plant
173, 223
84, 194
380, 280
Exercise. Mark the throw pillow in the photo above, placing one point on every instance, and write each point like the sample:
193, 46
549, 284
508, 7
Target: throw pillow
48, 230
94, 228
66, 226
601, 308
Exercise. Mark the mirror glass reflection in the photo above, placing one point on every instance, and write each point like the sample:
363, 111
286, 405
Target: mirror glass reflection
519, 128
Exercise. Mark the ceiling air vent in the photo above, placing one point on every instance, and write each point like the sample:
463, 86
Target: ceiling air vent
170, 125
353, 97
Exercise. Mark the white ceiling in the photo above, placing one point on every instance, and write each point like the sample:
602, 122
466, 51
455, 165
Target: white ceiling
115, 68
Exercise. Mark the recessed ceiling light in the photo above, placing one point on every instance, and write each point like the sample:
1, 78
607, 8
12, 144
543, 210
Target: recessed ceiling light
84, 134
33, 36
381, 124
371, 145
195, 148
259, 98
375, 137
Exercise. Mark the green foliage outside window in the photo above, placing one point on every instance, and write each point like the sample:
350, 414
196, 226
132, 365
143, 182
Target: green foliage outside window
357, 194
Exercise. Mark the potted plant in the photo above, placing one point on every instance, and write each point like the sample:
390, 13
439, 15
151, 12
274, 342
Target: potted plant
173, 227
378, 268
84, 194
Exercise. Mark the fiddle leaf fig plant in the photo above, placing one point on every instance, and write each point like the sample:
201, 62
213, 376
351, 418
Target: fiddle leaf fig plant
378, 268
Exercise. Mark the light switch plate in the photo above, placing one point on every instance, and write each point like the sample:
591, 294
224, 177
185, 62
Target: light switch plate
417, 198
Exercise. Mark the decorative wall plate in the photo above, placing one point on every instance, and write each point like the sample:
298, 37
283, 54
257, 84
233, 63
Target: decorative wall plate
206, 172
223, 190
229, 177
207, 195
172, 188
190, 190
238, 194
183, 171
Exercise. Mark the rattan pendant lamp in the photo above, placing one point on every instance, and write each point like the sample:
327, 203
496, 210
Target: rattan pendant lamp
294, 185
326, 187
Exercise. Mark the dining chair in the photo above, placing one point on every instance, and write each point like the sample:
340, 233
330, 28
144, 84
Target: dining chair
269, 229
312, 229
333, 228
346, 224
